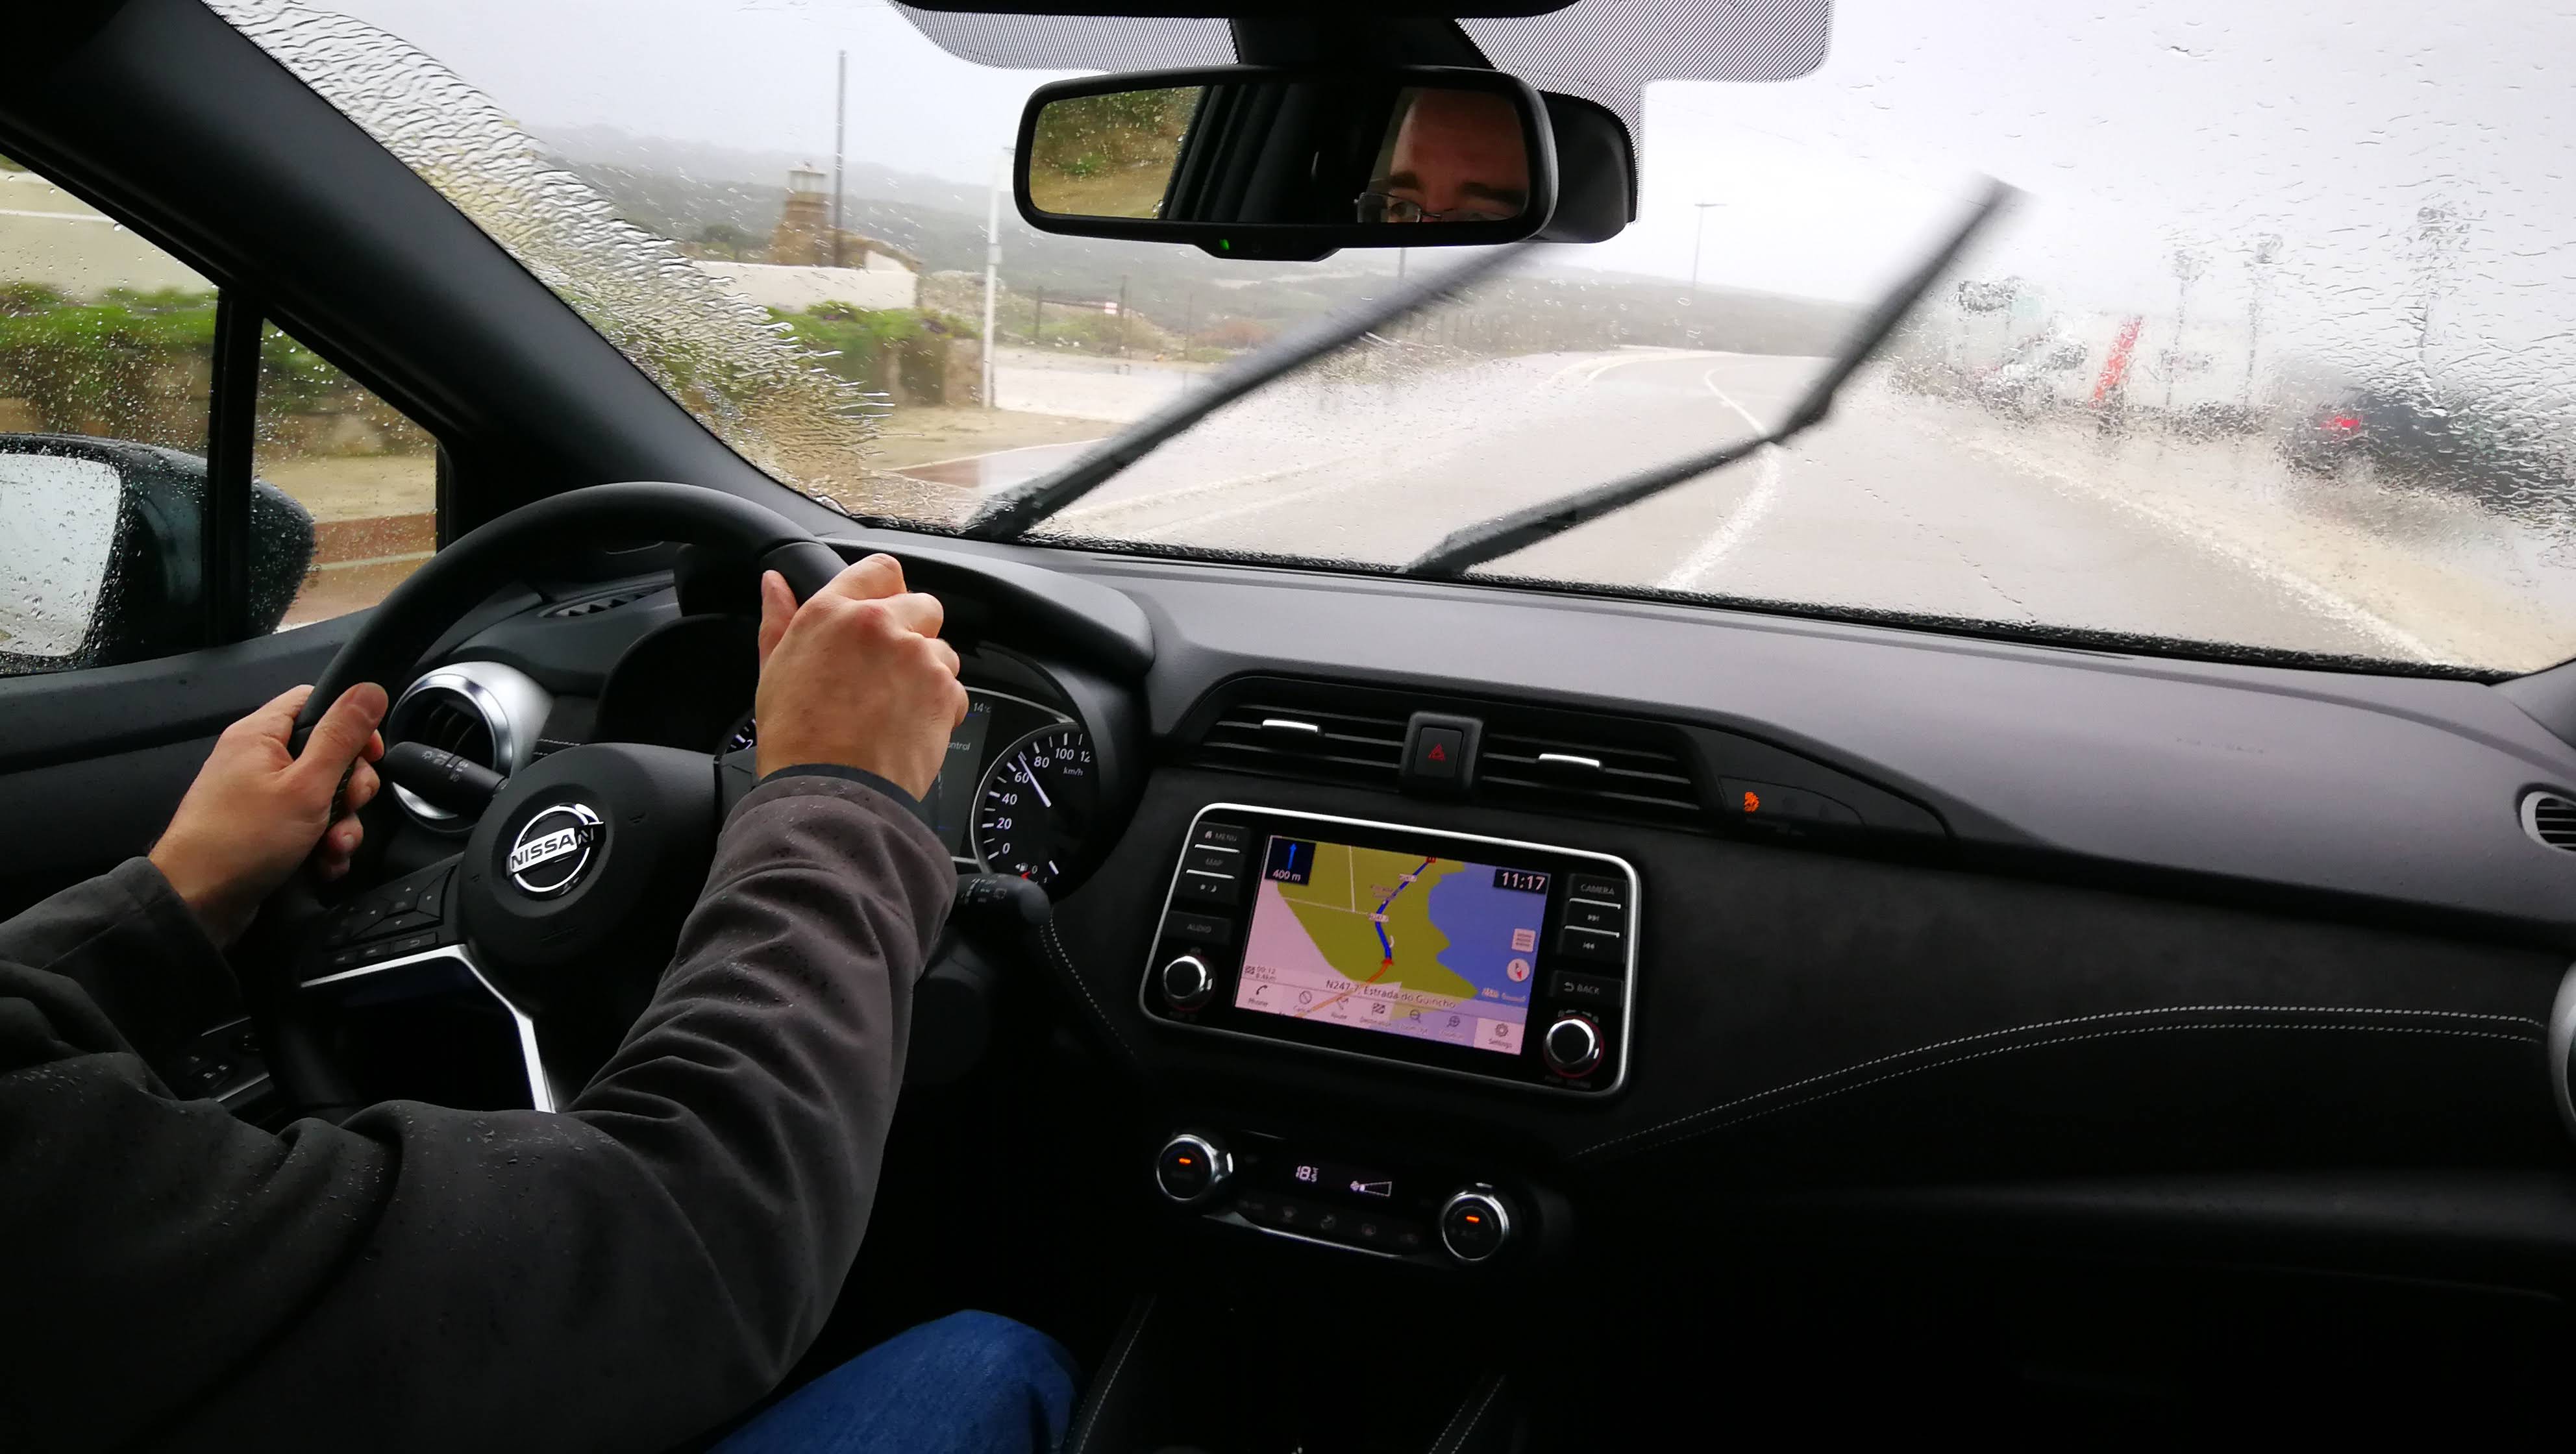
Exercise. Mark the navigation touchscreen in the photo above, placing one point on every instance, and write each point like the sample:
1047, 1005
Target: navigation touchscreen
1430, 948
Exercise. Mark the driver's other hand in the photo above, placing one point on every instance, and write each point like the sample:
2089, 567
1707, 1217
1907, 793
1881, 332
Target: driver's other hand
256, 810
856, 677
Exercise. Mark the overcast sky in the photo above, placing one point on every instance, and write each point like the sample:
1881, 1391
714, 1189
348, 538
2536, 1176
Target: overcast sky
2136, 128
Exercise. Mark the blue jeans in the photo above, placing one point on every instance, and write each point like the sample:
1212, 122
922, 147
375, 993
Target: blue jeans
970, 1383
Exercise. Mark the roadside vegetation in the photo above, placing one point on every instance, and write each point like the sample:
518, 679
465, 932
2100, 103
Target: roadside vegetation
139, 365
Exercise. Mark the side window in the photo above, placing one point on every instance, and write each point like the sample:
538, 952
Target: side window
173, 470
107, 348
367, 476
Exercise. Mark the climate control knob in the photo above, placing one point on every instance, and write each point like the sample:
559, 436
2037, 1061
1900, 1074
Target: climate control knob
1571, 1047
1187, 983
1475, 1223
1191, 1168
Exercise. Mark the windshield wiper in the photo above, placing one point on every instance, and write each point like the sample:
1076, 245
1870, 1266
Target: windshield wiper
1473, 545
1012, 513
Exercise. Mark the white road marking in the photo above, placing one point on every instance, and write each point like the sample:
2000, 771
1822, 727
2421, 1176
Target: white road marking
932, 464
2327, 603
1723, 540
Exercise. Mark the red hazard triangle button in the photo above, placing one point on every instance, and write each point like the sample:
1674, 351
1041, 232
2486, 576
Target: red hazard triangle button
1439, 755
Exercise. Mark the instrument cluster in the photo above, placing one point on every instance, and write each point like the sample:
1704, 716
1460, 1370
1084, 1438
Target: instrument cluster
1018, 793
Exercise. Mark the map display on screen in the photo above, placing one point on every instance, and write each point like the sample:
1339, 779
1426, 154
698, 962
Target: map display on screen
1438, 949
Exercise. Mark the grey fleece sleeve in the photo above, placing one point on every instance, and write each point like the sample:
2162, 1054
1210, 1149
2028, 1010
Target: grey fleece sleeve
116, 963
620, 1275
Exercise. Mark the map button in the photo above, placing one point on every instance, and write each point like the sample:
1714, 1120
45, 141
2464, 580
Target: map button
1210, 859
1585, 989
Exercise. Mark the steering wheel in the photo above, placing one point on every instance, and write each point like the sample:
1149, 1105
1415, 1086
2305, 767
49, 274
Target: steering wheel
581, 868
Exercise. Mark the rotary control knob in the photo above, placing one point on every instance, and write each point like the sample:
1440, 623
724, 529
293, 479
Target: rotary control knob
1571, 1047
1475, 1223
1187, 982
1191, 1168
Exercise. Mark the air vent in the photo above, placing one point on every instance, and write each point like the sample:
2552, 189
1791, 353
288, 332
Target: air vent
2550, 819
1583, 773
1536, 758
593, 605
447, 721
1303, 731
482, 711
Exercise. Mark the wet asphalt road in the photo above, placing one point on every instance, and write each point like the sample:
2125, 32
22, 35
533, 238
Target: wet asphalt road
1900, 504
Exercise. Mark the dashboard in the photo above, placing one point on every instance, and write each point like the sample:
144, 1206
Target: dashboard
1602, 909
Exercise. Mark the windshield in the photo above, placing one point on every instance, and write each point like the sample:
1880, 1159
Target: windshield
2274, 356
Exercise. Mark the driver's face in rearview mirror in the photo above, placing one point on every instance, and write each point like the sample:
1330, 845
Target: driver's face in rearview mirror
1452, 156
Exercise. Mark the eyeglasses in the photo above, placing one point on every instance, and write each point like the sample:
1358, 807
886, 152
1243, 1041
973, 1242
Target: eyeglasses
1381, 207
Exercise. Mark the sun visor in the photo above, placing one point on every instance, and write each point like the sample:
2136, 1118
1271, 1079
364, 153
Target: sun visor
1604, 51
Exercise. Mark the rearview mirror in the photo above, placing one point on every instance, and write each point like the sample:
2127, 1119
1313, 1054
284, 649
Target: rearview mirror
1271, 162
102, 552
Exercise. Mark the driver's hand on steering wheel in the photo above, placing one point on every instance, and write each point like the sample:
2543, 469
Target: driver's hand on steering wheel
856, 677
256, 810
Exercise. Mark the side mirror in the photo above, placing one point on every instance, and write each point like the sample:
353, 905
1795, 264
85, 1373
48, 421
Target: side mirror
1282, 162
102, 552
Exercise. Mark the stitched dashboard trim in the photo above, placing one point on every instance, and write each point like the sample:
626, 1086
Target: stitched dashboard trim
1757, 1112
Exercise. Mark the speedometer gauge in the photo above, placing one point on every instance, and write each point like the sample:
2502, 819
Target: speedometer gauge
1033, 808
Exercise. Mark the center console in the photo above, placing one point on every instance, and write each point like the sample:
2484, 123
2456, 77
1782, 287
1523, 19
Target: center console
1500, 961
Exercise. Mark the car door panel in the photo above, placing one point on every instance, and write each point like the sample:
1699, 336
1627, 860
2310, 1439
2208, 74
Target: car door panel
93, 762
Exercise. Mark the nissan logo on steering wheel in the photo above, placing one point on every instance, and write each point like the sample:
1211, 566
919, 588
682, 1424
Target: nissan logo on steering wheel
553, 849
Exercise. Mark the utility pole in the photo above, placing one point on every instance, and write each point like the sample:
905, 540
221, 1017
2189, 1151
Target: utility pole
1122, 317
993, 268
840, 115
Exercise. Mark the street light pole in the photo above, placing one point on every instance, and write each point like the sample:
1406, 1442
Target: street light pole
2267, 251
840, 114
1698, 233
2186, 268
993, 266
